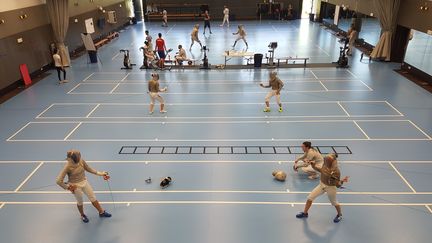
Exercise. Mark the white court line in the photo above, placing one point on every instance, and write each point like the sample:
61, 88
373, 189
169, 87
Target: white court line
171, 28
28, 177
112, 91
343, 108
74, 88
213, 191
314, 74
402, 177
93, 110
217, 202
229, 103
73, 130
364, 133
115, 56
218, 93
123, 79
16, 133
274, 28
214, 161
2, 205
427, 207
355, 76
400, 113
40, 114
217, 140
322, 50
418, 128
366, 85
86, 78
323, 85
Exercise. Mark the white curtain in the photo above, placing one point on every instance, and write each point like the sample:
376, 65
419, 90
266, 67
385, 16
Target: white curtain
58, 11
129, 8
387, 11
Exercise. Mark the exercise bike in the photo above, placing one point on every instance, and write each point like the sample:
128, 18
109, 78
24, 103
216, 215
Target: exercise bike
126, 60
205, 64
342, 62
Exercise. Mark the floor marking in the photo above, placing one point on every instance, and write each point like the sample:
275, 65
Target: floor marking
124, 78
400, 113
28, 177
343, 108
355, 76
418, 128
115, 56
366, 85
40, 114
323, 85
171, 28
215, 117
217, 202
274, 28
215, 161
217, 140
314, 74
86, 78
427, 206
2, 205
364, 133
287, 192
402, 177
115, 87
93, 110
230, 103
218, 93
76, 86
328, 54
73, 130
13, 135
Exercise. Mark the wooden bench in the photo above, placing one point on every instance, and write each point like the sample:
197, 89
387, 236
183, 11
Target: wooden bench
105, 40
294, 59
101, 43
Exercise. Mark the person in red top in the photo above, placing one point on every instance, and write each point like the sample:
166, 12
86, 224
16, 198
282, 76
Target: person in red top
161, 49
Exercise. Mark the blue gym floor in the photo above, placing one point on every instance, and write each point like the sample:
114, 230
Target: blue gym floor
230, 197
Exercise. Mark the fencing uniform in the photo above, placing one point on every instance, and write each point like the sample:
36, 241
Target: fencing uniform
194, 37
76, 177
241, 36
226, 17
311, 155
153, 89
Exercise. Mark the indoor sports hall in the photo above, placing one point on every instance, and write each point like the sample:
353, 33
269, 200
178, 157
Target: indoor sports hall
156, 143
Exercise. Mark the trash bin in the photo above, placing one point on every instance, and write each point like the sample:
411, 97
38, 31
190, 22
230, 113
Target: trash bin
312, 17
93, 56
258, 59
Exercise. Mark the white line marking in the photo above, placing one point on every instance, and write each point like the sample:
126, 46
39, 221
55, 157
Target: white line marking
76, 86
124, 78
314, 74
13, 135
427, 206
73, 130
112, 91
216, 191
216, 140
28, 177
171, 28
2, 205
355, 76
93, 110
228, 103
40, 114
364, 133
218, 93
343, 108
402, 177
400, 113
323, 86
322, 50
86, 78
366, 85
217, 202
418, 128
115, 56
215, 161
214, 117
